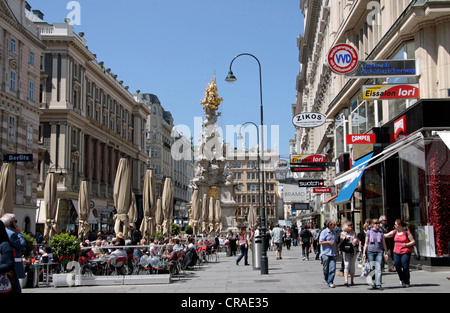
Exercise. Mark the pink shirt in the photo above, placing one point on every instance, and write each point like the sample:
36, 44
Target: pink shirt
399, 240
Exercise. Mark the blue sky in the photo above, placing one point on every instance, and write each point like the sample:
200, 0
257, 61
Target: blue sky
173, 48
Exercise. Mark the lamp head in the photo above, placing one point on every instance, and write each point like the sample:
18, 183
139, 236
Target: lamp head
239, 136
230, 78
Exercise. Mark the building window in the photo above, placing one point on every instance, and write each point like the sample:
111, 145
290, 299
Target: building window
31, 58
28, 184
407, 51
30, 136
341, 131
12, 81
12, 129
12, 46
31, 90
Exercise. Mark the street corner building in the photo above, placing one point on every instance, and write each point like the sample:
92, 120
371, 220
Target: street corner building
403, 170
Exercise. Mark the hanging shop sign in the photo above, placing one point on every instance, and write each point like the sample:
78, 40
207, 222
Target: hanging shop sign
389, 92
385, 68
308, 163
18, 158
400, 128
343, 58
361, 139
292, 193
311, 183
309, 120
322, 190
308, 158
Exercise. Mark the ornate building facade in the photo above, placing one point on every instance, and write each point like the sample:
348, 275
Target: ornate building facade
406, 166
20, 59
89, 120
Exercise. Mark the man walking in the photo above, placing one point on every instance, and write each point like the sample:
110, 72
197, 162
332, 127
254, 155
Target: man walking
327, 241
278, 234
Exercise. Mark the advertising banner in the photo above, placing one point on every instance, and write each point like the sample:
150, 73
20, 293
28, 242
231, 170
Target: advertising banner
391, 91
361, 139
385, 68
293, 193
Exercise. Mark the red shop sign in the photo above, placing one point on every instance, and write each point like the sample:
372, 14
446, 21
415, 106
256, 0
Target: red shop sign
361, 139
322, 190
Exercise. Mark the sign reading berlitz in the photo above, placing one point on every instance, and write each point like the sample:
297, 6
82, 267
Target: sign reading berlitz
361, 139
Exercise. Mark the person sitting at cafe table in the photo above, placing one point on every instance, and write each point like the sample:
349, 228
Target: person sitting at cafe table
118, 252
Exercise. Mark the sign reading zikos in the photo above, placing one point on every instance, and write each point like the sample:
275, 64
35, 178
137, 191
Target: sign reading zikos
309, 120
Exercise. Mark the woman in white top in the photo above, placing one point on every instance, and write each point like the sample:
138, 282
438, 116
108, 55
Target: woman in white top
349, 258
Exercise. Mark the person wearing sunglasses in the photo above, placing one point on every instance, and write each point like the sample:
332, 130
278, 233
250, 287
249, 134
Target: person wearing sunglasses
375, 246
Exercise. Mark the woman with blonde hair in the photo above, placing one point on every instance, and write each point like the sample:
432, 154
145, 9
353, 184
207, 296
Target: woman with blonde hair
375, 245
350, 246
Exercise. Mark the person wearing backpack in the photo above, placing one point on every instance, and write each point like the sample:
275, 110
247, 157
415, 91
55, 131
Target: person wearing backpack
403, 242
306, 241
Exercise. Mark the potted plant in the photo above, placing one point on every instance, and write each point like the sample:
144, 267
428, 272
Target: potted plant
65, 248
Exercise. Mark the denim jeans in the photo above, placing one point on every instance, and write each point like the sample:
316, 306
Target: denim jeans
244, 251
401, 263
329, 268
375, 259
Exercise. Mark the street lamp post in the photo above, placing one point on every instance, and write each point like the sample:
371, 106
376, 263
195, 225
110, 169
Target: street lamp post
259, 159
232, 78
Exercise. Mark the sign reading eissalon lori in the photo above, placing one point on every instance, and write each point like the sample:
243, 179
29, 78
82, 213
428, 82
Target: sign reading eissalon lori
389, 92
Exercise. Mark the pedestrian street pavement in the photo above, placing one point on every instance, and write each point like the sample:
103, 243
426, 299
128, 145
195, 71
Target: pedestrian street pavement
289, 275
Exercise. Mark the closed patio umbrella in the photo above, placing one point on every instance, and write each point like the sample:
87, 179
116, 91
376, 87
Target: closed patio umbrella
84, 209
132, 212
205, 213
7, 185
51, 205
148, 226
167, 205
196, 211
122, 196
252, 217
159, 216
212, 203
218, 216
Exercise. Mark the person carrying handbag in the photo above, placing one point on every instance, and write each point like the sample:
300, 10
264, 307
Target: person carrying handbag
348, 247
7, 279
404, 241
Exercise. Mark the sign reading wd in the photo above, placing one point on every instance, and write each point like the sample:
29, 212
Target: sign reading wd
389, 92
342, 58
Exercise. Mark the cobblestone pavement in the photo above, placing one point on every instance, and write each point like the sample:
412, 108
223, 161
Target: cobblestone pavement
289, 275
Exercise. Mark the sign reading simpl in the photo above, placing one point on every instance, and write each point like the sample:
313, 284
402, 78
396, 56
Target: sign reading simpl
343, 58
387, 92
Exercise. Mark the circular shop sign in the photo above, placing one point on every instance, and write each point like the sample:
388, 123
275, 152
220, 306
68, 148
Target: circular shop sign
343, 58
309, 120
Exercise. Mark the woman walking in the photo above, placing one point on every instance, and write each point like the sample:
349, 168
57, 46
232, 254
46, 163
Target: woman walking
243, 245
7, 280
402, 250
349, 235
375, 245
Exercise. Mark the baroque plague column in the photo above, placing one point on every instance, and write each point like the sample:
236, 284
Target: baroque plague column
213, 178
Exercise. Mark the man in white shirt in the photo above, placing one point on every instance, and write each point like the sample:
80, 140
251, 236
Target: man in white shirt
278, 234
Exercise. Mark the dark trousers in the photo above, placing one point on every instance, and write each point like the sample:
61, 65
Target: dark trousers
401, 263
243, 254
